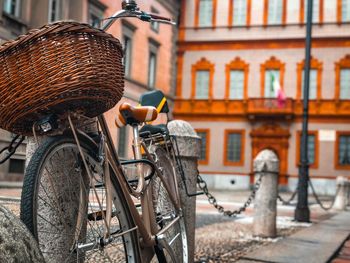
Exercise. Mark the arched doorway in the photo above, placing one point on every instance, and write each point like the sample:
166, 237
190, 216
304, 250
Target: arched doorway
275, 138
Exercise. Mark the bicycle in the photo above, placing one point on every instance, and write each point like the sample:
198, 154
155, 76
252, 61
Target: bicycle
83, 204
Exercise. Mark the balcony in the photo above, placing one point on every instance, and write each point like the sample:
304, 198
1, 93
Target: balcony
269, 108
258, 109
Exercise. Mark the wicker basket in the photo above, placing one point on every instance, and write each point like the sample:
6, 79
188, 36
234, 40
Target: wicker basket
64, 66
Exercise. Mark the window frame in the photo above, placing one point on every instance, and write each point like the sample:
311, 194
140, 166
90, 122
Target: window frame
96, 8
128, 31
231, 13
271, 64
207, 149
17, 8
196, 15
203, 64
343, 63
154, 25
153, 50
241, 161
237, 64
58, 11
338, 166
316, 65
266, 13
316, 154
302, 17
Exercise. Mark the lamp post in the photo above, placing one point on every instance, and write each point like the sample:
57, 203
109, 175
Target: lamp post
302, 211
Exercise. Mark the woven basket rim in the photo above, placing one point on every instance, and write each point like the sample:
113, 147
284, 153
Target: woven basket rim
56, 28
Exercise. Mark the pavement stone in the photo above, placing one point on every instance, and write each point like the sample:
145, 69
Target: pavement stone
316, 244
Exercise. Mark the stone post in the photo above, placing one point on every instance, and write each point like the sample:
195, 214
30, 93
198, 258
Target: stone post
265, 206
341, 200
16, 242
189, 148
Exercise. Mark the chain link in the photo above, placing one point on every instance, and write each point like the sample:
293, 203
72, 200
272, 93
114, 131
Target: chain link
287, 202
318, 200
8, 151
212, 200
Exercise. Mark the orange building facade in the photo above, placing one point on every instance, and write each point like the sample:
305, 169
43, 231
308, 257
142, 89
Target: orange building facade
235, 57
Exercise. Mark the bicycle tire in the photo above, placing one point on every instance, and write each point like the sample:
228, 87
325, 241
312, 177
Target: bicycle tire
165, 212
59, 210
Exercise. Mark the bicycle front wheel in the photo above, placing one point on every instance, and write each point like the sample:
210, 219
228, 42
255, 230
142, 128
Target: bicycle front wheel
175, 249
64, 207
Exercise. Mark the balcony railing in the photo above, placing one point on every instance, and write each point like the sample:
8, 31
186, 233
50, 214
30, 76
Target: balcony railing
259, 107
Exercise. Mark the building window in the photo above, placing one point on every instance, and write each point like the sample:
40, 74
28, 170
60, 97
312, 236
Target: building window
152, 63
122, 141
342, 78
239, 12
202, 79
343, 11
312, 148
317, 11
236, 79
314, 82
234, 147
128, 34
96, 13
272, 75
16, 166
205, 13
205, 142
275, 12
54, 10
202, 84
12, 7
345, 84
154, 25
343, 150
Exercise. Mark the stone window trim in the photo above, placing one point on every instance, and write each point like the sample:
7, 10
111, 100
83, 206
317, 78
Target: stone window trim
153, 50
154, 25
227, 133
298, 145
266, 12
237, 64
207, 149
343, 63
271, 64
203, 64
231, 13
338, 166
314, 64
196, 15
302, 17
128, 31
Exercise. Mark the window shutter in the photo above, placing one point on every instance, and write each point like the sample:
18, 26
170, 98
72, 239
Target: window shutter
202, 84
236, 84
345, 83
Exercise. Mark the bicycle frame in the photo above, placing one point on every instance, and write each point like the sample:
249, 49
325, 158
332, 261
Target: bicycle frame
145, 224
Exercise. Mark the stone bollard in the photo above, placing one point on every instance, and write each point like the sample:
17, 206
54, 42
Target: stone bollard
341, 200
16, 242
189, 148
265, 206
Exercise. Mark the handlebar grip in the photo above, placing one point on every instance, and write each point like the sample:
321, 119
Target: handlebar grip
153, 16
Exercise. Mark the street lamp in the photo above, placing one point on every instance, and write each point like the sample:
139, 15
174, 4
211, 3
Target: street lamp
302, 211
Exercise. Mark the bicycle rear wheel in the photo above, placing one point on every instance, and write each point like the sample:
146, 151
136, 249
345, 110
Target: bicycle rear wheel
65, 209
165, 212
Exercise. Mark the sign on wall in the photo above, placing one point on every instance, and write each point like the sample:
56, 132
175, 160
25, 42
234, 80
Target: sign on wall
327, 135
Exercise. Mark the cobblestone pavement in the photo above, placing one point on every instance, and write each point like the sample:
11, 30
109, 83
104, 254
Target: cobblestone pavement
219, 238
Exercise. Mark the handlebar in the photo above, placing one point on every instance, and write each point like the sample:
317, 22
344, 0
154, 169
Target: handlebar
130, 9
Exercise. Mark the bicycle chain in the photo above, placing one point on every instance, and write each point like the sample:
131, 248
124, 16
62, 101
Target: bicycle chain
212, 200
11, 149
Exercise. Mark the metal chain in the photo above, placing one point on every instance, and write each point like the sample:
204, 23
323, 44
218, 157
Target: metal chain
318, 200
287, 202
8, 151
212, 200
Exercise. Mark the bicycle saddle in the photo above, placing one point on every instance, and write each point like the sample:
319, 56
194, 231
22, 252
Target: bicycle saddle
135, 115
